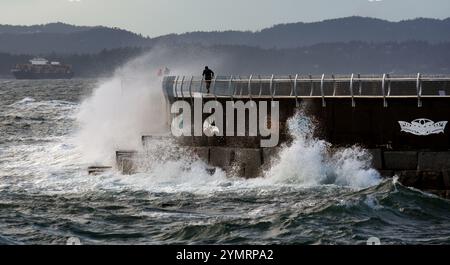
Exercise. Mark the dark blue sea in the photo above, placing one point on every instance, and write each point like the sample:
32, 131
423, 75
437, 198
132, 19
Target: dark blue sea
52, 130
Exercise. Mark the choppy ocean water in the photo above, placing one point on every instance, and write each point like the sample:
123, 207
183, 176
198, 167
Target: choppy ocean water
47, 197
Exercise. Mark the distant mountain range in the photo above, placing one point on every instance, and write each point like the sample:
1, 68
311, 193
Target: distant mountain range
345, 45
47, 28
61, 38
329, 31
66, 39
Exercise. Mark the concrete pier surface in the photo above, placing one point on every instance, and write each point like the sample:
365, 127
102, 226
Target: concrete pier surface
125, 161
97, 170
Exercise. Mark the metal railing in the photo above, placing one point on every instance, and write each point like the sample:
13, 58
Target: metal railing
322, 87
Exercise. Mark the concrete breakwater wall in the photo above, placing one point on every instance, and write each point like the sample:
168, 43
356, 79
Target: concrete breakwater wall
425, 170
419, 159
402, 122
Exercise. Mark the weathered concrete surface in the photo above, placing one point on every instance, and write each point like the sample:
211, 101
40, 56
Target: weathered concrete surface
446, 179
409, 178
431, 180
147, 139
377, 158
97, 170
221, 157
202, 153
269, 154
125, 162
249, 161
400, 160
434, 161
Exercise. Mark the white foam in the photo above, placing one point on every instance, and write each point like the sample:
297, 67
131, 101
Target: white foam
25, 100
309, 161
130, 105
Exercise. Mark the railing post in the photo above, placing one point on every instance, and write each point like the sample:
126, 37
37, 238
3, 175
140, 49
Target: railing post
214, 87
230, 83
271, 86
295, 90
312, 86
351, 90
181, 87
250, 87
291, 85
175, 87
360, 84
260, 85
383, 90
275, 86
419, 91
334, 85
389, 85
241, 86
235, 87
201, 88
324, 104
190, 86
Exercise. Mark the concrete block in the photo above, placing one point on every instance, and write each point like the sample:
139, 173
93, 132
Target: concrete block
215, 141
221, 156
155, 139
200, 141
202, 153
400, 160
184, 140
409, 178
270, 153
125, 161
431, 180
250, 161
242, 142
434, 161
446, 179
377, 158
97, 170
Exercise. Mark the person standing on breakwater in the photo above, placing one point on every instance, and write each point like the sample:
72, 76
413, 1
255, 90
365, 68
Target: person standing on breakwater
208, 74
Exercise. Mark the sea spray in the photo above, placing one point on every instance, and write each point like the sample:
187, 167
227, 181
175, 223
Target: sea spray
305, 162
131, 103
165, 162
310, 161
119, 112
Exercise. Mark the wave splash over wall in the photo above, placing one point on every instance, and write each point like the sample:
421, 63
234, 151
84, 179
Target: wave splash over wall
131, 104
304, 162
311, 161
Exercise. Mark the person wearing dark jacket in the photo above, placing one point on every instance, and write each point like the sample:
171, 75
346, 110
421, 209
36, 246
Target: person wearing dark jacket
208, 75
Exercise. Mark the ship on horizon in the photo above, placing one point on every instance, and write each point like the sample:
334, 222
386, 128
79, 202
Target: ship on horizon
41, 68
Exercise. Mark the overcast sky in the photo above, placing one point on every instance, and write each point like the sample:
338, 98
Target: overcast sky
158, 17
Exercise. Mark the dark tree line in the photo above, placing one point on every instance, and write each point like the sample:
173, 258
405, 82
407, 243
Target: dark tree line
358, 57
